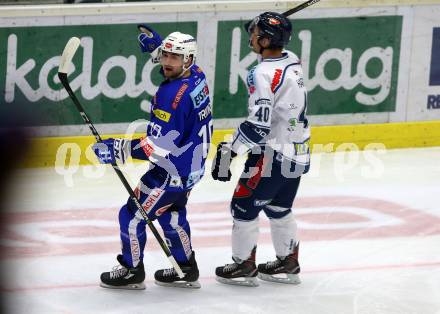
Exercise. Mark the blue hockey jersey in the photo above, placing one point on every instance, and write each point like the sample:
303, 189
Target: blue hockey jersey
180, 129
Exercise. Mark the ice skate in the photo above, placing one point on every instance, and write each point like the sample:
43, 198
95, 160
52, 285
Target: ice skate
282, 270
240, 273
170, 278
124, 277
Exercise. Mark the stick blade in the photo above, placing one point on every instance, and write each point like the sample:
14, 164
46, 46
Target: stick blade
68, 53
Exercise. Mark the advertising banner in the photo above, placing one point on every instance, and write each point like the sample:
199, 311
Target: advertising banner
343, 71
111, 77
357, 65
424, 86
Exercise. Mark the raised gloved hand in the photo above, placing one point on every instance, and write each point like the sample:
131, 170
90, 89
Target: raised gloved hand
148, 39
112, 150
222, 161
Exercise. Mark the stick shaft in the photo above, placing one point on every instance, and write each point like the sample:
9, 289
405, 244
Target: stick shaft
299, 7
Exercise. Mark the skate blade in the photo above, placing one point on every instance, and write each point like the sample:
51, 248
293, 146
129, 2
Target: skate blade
242, 281
291, 279
133, 286
180, 284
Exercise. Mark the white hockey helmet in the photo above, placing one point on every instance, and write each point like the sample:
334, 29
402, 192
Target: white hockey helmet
182, 44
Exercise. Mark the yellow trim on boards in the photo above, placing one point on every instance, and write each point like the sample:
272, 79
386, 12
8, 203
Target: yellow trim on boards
46, 151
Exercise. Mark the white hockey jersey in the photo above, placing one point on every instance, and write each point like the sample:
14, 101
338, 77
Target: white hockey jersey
277, 110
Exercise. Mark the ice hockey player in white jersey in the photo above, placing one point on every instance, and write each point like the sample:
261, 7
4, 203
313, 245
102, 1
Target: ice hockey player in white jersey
276, 138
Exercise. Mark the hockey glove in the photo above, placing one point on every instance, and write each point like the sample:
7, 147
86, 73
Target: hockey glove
221, 163
112, 150
148, 39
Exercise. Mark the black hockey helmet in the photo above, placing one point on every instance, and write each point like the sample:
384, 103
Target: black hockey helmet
273, 26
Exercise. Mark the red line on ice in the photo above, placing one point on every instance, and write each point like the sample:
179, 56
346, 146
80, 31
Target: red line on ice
67, 232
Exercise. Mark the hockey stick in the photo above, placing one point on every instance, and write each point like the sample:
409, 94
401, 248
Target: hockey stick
286, 14
68, 53
299, 7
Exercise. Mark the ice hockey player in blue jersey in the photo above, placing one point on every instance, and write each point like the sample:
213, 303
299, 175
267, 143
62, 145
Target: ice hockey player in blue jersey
176, 144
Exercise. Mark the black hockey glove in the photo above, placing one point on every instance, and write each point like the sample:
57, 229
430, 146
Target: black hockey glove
221, 163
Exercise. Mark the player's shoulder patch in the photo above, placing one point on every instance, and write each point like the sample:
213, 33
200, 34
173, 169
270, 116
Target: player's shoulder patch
276, 79
250, 81
200, 94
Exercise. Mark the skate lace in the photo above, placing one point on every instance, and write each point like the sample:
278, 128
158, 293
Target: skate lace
230, 267
169, 272
118, 271
273, 264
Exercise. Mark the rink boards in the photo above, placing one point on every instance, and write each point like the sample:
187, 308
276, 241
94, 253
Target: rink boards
380, 87
76, 150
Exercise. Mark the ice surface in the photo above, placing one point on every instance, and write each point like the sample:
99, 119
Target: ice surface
369, 229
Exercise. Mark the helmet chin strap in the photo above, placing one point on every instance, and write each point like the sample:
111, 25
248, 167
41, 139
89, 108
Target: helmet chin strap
184, 69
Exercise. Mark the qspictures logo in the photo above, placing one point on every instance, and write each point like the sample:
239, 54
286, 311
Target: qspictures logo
433, 101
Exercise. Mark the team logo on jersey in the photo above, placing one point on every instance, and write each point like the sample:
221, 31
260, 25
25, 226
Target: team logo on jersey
175, 181
162, 115
276, 80
179, 95
292, 124
200, 94
250, 81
